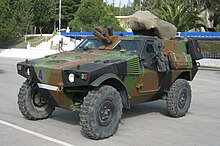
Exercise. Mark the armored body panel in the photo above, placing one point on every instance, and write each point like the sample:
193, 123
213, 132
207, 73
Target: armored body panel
135, 69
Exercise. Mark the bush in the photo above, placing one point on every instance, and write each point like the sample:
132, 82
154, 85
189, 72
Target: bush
210, 46
94, 13
217, 28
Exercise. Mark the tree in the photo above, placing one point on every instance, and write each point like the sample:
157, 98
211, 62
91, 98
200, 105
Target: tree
150, 5
202, 5
24, 16
216, 18
215, 8
124, 11
93, 13
7, 22
43, 13
127, 10
180, 16
69, 8
136, 5
212, 6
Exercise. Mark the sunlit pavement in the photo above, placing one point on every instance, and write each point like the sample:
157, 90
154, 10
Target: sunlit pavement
145, 124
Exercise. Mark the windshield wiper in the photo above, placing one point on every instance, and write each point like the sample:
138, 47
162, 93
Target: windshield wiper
87, 48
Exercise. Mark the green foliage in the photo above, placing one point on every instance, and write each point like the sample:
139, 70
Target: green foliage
43, 13
205, 4
69, 8
136, 4
24, 16
7, 22
216, 18
124, 11
91, 14
180, 16
150, 5
201, 5
18, 17
217, 28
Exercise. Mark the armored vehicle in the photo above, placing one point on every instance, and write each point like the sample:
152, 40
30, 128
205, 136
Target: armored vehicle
106, 73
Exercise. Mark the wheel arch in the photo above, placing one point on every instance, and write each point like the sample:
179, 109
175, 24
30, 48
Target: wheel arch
114, 81
185, 75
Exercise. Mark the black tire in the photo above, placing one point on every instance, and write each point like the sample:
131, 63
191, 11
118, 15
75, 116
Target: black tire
179, 98
101, 112
28, 107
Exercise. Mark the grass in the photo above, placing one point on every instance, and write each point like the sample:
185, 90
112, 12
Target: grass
19, 42
210, 46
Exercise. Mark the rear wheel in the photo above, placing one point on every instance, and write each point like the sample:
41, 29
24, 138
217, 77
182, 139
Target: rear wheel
179, 98
101, 112
32, 104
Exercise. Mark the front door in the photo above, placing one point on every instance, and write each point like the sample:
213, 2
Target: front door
149, 83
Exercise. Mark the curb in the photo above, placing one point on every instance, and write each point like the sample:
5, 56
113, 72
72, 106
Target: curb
211, 68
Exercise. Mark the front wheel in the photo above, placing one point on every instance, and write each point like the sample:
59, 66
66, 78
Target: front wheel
101, 112
31, 103
179, 98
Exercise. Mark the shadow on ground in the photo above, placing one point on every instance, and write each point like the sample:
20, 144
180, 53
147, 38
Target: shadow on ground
72, 117
66, 116
2, 71
145, 108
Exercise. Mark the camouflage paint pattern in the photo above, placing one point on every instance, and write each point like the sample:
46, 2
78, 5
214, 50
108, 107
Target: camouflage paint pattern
142, 84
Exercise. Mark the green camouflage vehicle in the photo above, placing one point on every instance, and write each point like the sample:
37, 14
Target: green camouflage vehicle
107, 73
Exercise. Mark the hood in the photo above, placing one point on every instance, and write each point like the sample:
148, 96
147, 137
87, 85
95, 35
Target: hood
49, 69
66, 59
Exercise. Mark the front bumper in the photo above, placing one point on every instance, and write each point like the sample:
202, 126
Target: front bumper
48, 87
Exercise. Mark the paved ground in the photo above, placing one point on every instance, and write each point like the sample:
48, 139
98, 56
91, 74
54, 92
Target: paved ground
145, 124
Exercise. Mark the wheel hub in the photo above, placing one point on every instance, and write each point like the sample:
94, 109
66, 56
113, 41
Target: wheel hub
106, 113
182, 99
38, 100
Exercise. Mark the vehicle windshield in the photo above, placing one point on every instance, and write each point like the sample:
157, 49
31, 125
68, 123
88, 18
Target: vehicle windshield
88, 44
131, 46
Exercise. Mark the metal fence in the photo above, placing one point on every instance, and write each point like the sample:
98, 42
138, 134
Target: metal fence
211, 55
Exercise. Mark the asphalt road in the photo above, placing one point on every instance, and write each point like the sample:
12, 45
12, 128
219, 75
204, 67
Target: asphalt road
145, 124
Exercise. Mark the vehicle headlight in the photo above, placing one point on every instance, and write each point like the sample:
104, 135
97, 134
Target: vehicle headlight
28, 72
71, 78
19, 67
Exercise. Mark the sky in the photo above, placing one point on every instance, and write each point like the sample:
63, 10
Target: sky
123, 2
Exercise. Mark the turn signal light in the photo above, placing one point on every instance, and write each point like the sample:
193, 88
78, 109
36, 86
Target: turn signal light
84, 76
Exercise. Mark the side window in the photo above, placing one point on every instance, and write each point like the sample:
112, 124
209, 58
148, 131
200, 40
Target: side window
149, 48
149, 55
